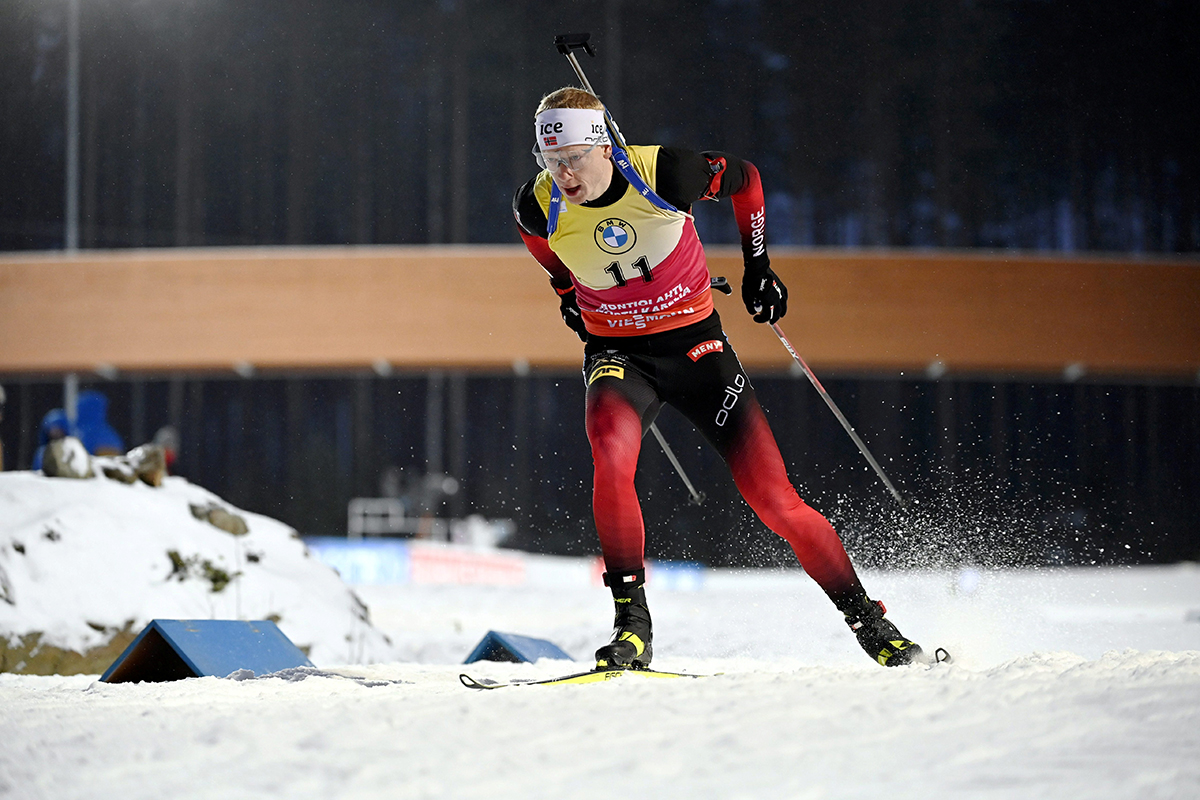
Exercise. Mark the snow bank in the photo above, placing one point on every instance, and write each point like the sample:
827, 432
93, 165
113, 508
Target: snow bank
85, 561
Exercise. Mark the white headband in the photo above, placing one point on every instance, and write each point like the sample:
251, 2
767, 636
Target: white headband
563, 127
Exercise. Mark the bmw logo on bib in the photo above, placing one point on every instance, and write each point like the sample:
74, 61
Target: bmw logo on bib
615, 236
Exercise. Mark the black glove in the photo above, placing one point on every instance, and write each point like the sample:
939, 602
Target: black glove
569, 309
764, 294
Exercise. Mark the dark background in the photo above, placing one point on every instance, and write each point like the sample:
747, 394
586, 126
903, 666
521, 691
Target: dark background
1028, 124
996, 472
1037, 124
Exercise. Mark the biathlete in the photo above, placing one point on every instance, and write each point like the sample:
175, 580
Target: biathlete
611, 228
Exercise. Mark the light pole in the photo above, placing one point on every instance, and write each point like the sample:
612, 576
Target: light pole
71, 237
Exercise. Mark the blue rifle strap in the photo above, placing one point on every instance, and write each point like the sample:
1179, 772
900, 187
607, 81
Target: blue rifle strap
623, 165
621, 159
556, 202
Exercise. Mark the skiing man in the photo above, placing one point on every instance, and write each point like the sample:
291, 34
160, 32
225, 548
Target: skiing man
630, 272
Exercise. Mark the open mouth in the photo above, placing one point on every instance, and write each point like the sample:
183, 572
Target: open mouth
572, 191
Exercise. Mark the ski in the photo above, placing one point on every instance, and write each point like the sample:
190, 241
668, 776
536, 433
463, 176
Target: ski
940, 656
591, 676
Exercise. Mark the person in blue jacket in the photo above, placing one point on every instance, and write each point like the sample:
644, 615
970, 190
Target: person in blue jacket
55, 425
91, 427
91, 420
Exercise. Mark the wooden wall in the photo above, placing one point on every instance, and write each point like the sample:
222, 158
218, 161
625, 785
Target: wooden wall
490, 306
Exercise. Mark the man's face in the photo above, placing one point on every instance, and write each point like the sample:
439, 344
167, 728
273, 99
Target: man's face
588, 176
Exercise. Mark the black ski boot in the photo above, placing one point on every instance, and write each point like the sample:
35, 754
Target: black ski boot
630, 646
878, 636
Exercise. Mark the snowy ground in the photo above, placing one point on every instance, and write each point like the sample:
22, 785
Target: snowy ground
82, 559
1073, 683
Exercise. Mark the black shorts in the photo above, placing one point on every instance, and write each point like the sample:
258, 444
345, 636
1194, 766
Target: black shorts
693, 368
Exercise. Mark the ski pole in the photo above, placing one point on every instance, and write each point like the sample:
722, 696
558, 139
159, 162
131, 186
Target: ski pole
697, 497
720, 285
862, 448
567, 44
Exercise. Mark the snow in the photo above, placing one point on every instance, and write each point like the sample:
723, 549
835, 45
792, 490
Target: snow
80, 559
1067, 683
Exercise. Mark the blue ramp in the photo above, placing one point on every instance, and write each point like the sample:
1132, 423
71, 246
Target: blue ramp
173, 649
496, 646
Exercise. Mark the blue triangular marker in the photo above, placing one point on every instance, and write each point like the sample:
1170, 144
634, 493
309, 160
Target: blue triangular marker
173, 649
496, 646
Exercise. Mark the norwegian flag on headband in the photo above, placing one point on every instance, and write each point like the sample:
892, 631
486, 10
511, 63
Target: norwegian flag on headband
550, 141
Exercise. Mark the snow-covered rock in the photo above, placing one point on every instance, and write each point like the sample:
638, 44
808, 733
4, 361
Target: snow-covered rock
85, 564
